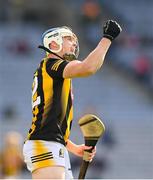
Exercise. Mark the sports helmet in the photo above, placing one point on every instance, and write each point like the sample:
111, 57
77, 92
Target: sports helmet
57, 34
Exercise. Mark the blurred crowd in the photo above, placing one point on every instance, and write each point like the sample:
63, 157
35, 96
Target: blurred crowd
129, 51
131, 54
11, 160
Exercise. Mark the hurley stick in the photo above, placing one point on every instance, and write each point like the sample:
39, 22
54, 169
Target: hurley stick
92, 129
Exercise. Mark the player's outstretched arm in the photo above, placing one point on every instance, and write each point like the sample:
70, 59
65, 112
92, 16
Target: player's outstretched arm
95, 59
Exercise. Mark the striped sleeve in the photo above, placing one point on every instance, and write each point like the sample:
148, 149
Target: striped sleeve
56, 67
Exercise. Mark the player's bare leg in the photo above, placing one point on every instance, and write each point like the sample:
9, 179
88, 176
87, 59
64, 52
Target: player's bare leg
57, 172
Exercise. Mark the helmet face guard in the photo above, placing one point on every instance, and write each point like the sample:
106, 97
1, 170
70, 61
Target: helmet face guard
57, 34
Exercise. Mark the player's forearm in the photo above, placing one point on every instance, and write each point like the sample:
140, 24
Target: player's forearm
71, 147
96, 58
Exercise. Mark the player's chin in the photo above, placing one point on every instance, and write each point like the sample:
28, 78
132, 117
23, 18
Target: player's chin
69, 57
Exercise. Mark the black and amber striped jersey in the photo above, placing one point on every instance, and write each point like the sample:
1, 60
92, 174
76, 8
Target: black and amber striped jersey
52, 107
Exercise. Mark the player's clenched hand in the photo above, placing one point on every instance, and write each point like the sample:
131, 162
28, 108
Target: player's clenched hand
111, 30
79, 151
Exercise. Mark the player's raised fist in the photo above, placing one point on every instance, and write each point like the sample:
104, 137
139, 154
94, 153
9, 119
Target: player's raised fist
111, 29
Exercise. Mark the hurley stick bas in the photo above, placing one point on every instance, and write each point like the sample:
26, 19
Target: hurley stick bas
92, 129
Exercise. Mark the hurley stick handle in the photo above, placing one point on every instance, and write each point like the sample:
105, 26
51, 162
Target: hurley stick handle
84, 164
83, 169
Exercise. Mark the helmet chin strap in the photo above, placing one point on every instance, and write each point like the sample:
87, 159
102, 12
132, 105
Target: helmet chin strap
49, 51
68, 57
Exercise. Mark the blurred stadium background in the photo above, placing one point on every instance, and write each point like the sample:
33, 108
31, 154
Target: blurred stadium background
121, 93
